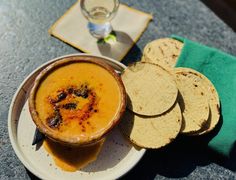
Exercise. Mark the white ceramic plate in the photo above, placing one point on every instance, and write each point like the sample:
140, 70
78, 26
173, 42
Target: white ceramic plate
117, 156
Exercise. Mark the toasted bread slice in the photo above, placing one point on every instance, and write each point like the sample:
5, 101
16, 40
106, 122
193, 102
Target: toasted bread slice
213, 100
193, 100
152, 131
164, 52
151, 89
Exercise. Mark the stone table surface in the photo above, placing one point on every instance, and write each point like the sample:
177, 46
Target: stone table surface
25, 44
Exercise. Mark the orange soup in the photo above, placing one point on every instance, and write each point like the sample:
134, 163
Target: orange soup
78, 101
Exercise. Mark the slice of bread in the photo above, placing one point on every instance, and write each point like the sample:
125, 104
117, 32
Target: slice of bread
213, 100
164, 52
151, 89
152, 131
193, 100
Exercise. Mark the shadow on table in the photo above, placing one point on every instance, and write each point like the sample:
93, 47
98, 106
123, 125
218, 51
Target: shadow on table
176, 160
134, 55
228, 163
180, 158
226, 10
31, 176
123, 41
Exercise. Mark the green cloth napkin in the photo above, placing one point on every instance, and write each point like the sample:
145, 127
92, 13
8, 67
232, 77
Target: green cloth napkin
220, 68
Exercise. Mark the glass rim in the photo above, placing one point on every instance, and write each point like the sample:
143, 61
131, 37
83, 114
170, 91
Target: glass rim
82, 6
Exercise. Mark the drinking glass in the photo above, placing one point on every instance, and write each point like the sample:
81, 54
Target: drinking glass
99, 14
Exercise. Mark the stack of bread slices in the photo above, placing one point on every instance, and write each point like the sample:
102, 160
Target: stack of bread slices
164, 101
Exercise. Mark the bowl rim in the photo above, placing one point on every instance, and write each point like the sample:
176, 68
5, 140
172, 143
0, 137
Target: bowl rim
65, 61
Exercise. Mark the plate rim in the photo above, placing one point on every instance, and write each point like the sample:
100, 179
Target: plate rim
14, 145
